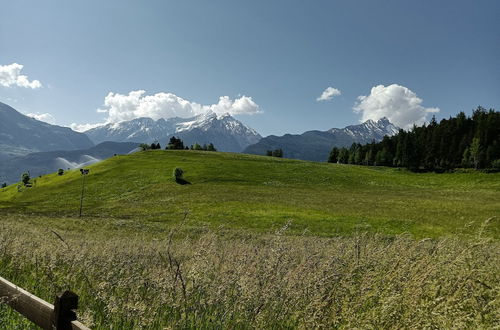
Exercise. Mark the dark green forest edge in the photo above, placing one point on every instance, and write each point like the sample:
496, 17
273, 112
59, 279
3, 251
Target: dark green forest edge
457, 142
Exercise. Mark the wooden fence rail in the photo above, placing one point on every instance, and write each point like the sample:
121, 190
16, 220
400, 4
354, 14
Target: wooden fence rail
59, 316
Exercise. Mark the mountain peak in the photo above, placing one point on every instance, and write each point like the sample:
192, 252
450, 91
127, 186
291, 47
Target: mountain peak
224, 131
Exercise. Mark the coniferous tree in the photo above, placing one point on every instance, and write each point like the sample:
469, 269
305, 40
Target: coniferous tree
459, 141
175, 144
211, 147
334, 155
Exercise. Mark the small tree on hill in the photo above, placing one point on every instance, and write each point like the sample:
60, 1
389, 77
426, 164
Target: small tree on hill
144, 146
278, 153
4, 184
178, 173
211, 147
25, 178
175, 144
60, 171
269, 153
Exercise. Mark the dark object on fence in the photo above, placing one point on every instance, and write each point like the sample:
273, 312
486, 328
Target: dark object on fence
59, 316
64, 306
84, 173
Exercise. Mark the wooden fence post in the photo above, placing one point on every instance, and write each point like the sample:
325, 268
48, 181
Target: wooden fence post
65, 304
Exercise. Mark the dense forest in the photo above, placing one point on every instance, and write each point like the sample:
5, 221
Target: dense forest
457, 142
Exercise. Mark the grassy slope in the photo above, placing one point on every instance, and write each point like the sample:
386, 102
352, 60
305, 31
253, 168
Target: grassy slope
121, 261
262, 193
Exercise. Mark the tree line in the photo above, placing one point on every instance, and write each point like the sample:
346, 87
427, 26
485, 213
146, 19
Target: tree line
458, 142
178, 144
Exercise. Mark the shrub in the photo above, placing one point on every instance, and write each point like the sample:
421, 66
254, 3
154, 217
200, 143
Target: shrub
4, 184
60, 171
496, 164
144, 146
177, 174
25, 178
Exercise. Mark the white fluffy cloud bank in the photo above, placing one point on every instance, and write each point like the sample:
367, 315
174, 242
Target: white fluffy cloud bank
136, 104
398, 103
328, 94
10, 75
46, 117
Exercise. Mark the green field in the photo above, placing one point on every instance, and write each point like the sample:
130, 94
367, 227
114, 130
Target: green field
257, 242
237, 191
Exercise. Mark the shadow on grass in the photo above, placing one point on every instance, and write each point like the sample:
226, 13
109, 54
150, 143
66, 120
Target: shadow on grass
182, 181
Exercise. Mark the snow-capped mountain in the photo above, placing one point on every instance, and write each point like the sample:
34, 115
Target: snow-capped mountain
316, 145
225, 132
368, 131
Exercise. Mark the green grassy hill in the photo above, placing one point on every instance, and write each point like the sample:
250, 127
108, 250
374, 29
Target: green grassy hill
239, 247
263, 193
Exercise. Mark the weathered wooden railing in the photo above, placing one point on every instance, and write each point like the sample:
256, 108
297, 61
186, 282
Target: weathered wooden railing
59, 316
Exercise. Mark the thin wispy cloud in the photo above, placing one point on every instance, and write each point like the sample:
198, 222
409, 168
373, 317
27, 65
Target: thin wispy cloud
84, 127
328, 94
397, 103
10, 75
46, 117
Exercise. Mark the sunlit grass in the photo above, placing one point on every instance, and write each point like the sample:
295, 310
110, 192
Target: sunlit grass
259, 193
257, 242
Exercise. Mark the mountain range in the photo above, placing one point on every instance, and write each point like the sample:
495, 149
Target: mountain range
316, 145
225, 132
21, 135
30, 144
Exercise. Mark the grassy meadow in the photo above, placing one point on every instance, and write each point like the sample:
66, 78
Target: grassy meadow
257, 242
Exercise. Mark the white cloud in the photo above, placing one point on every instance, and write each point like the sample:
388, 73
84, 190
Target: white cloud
46, 117
166, 105
10, 75
328, 94
398, 103
83, 127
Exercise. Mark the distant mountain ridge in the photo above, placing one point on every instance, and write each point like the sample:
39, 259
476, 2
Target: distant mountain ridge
225, 132
316, 145
40, 163
21, 135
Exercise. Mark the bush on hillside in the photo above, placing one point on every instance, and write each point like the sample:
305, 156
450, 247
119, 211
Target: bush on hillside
25, 178
144, 146
178, 173
4, 184
175, 144
60, 171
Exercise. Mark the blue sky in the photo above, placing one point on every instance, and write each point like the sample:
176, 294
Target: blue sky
271, 57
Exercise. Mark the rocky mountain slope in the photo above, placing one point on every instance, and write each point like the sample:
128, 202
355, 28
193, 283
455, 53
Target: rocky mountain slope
225, 132
21, 135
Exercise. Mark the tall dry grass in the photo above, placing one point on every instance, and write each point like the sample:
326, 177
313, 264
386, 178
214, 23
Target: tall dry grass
246, 281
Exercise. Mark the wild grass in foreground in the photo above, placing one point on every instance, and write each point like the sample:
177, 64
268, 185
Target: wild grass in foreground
242, 280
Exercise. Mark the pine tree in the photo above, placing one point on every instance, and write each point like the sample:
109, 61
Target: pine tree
211, 147
334, 155
475, 151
